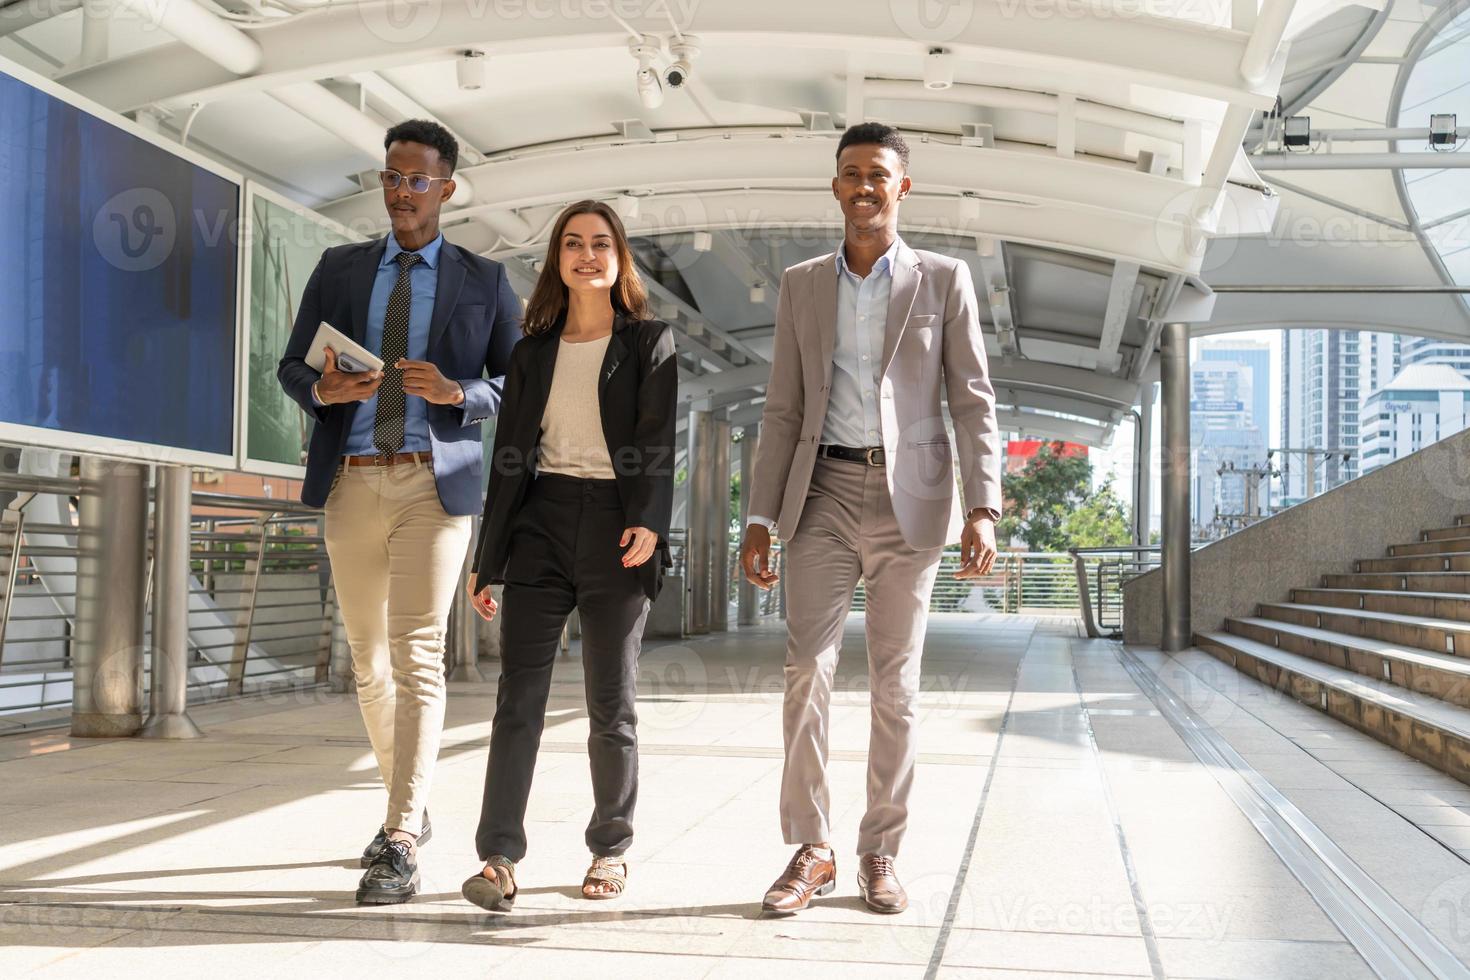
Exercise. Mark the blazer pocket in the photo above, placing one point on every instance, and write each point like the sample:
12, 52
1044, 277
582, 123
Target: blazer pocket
921, 319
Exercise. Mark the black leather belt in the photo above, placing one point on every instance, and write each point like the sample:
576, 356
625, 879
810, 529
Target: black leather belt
873, 456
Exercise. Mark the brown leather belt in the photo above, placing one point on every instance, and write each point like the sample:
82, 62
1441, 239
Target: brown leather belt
393, 460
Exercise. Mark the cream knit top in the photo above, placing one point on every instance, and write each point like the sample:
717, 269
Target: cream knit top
571, 428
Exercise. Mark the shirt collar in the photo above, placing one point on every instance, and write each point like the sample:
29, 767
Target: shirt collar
884, 263
429, 254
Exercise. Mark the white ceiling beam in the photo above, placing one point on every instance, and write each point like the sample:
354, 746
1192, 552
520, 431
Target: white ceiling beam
403, 106
1115, 317
1050, 427
200, 31
1042, 103
1027, 194
1163, 52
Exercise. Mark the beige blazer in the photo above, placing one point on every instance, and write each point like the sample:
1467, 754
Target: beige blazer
932, 343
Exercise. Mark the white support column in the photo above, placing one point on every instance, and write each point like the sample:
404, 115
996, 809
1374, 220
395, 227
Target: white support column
169, 698
719, 529
1174, 376
112, 544
748, 613
698, 550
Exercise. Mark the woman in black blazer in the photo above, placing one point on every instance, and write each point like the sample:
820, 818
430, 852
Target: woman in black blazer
576, 517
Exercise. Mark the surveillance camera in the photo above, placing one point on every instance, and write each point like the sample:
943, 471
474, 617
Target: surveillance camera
650, 89
684, 51
676, 74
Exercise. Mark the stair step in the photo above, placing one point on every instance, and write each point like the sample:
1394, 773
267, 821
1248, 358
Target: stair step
1401, 581
1421, 632
1438, 675
1434, 546
1449, 561
1440, 533
1423, 727
1440, 605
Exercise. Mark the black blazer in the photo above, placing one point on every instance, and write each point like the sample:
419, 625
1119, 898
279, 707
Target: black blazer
638, 391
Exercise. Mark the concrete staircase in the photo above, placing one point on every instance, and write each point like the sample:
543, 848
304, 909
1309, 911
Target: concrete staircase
1384, 648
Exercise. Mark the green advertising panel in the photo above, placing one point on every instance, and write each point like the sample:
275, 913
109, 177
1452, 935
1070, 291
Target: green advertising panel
285, 243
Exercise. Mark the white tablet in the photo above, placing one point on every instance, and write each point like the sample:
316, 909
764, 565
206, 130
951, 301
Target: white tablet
352, 357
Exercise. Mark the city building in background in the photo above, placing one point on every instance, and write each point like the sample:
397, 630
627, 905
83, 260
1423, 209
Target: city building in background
1424, 403
1230, 399
1320, 390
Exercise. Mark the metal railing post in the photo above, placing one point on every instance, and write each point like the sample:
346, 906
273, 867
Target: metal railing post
12, 524
241, 651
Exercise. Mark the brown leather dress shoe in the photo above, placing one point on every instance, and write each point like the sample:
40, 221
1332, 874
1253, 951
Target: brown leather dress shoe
878, 883
808, 874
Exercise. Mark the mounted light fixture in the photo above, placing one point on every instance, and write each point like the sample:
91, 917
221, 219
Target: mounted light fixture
758, 293
1443, 129
938, 70
471, 70
703, 241
626, 205
1296, 131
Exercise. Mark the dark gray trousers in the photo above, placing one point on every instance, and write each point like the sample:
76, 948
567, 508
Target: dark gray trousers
564, 555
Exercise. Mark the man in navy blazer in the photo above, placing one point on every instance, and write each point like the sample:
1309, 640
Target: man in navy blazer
395, 461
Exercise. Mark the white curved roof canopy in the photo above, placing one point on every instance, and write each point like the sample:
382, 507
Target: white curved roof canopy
1080, 161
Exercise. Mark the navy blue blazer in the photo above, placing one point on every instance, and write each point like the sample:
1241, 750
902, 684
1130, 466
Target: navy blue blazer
475, 325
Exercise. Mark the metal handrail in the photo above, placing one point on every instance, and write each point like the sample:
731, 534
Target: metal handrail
1114, 566
269, 550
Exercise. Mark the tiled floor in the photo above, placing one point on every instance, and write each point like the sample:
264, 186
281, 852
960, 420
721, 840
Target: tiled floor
1059, 827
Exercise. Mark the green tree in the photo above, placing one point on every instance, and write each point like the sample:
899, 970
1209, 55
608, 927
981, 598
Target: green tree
1039, 499
1101, 521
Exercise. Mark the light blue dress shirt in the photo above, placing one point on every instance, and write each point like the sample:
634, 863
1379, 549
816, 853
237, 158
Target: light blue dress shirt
423, 283
862, 319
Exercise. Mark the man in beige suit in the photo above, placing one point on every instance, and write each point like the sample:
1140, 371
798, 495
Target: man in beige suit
855, 469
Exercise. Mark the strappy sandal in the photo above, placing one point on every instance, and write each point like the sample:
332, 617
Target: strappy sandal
605, 870
496, 894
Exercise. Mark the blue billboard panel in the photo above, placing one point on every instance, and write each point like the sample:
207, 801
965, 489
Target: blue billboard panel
118, 291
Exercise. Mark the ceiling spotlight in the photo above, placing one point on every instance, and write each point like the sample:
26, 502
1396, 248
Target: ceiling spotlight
969, 206
626, 206
650, 89
471, 70
703, 241
938, 69
1297, 131
1443, 130
684, 51
758, 293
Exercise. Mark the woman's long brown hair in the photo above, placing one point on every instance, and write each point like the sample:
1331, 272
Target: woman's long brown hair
549, 299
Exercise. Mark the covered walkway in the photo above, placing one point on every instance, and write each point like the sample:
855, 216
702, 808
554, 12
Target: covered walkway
1082, 809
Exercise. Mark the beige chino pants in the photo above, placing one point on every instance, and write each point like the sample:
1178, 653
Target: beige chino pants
848, 532
396, 560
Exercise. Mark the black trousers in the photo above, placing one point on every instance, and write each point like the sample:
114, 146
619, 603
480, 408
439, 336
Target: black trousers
564, 555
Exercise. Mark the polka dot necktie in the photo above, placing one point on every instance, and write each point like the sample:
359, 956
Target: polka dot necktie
388, 422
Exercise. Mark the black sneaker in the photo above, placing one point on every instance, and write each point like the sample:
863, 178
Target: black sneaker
381, 838
393, 877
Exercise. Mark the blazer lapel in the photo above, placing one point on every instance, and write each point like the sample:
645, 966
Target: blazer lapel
826, 310
446, 291
906, 278
617, 352
360, 288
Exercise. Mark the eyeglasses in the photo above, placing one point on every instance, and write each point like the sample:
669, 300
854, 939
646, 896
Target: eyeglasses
418, 183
